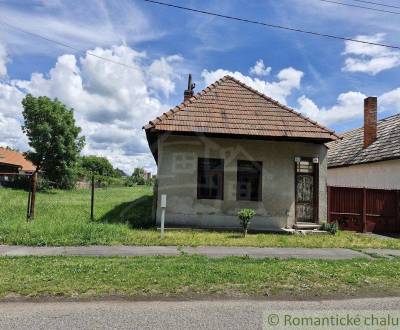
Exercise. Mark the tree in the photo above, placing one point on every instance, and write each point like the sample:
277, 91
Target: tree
138, 176
54, 138
97, 165
119, 172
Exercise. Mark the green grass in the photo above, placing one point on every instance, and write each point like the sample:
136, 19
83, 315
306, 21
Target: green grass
195, 276
62, 218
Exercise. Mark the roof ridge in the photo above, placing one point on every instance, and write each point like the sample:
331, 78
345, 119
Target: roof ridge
280, 104
362, 127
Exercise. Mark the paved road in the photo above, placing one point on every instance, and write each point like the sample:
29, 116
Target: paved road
210, 251
227, 314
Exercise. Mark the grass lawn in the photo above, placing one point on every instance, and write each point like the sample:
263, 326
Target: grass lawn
196, 276
62, 218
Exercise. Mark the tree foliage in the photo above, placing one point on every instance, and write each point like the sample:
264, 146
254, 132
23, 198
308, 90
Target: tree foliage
245, 215
139, 177
97, 165
54, 137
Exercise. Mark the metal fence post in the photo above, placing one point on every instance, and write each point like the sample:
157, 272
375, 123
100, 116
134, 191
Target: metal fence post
92, 200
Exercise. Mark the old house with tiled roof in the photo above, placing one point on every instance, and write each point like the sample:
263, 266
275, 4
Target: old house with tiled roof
12, 163
368, 156
230, 147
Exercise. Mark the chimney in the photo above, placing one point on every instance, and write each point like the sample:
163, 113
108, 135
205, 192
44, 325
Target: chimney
370, 120
189, 91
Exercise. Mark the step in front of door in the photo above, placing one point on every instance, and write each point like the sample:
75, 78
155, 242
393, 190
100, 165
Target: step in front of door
306, 225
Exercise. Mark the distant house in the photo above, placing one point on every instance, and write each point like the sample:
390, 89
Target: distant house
231, 147
13, 162
367, 157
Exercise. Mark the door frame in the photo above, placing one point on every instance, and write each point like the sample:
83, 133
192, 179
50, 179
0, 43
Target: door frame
315, 189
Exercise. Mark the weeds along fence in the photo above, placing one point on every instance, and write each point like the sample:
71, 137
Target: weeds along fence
26, 182
94, 198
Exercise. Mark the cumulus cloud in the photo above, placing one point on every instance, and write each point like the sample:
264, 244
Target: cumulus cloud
349, 106
111, 102
259, 69
287, 80
369, 59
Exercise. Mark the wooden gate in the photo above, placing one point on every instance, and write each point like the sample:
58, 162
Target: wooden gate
365, 210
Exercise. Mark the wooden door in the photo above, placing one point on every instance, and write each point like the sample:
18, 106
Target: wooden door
305, 191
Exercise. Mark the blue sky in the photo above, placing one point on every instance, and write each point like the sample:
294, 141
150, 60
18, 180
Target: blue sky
324, 79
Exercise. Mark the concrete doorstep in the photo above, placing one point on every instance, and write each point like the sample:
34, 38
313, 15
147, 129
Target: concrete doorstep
209, 251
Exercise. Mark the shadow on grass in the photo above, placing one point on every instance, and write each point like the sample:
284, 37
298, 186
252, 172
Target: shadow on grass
136, 213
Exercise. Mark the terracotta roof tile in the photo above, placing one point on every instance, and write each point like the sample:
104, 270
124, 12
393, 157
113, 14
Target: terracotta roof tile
230, 107
16, 158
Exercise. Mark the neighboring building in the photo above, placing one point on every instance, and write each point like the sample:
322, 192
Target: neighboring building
13, 162
231, 147
367, 157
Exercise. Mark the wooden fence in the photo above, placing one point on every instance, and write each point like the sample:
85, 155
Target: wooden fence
365, 210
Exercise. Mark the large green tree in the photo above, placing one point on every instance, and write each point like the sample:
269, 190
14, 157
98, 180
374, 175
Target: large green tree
97, 165
54, 138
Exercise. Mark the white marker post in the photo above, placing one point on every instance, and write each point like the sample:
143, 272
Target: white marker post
163, 207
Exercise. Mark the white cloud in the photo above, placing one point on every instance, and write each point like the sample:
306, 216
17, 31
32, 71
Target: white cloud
287, 80
111, 102
390, 101
349, 106
369, 59
3, 61
162, 74
98, 23
259, 69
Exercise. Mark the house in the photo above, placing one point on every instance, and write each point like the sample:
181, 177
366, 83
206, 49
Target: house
368, 156
364, 175
230, 147
12, 163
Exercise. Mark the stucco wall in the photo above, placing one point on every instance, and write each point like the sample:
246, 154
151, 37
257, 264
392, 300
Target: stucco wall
380, 175
177, 177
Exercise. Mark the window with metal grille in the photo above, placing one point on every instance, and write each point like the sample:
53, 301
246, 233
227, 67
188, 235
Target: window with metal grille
249, 180
210, 179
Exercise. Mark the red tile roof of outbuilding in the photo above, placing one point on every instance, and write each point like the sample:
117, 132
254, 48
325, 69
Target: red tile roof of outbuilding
15, 158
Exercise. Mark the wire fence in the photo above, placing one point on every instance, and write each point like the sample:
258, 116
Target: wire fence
94, 198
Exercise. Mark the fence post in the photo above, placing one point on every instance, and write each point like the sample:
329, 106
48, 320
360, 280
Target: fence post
28, 209
33, 197
364, 210
92, 200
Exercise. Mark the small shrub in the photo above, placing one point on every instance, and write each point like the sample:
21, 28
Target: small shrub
245, 215
331, 228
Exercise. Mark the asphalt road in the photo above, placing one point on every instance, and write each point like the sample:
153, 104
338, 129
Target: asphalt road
222, 314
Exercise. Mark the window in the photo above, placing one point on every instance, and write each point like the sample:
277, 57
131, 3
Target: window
249, 176
210, 179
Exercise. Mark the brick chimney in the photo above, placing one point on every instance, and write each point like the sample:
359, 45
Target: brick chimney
370, 120
189, 91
